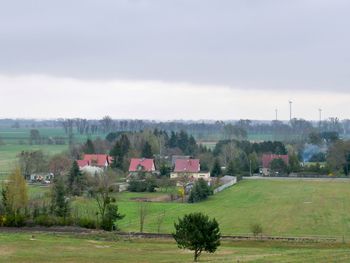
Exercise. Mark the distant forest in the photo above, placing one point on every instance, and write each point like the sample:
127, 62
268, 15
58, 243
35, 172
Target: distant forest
294, 130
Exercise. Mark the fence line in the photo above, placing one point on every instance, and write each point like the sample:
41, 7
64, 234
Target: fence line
224, 186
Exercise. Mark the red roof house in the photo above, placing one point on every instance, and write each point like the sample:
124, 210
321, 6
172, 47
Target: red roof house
143, 164
187, 166
98, 160
268, 158
82, 163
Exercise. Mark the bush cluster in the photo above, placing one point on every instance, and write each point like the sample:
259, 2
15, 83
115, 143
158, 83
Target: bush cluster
147, 185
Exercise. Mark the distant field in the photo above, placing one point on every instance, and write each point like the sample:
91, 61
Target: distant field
9, 152
73, 248
17, 140
283, 208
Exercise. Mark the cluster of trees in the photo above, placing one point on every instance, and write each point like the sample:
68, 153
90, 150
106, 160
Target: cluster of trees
55, 209
241, 157
36, 138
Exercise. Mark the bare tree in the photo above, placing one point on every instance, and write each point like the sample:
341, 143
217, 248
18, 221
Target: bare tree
106, 124
101, 189
143, 211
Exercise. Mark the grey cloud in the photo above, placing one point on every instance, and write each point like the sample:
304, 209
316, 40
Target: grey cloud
278, 44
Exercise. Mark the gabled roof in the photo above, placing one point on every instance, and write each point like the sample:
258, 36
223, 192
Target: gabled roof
82, 163
99, 160
143, 164
187, 166
176, 157
268, 158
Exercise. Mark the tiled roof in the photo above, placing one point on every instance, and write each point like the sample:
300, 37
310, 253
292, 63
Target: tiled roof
187, 166
137, 164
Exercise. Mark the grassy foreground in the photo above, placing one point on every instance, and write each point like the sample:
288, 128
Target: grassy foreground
287, 208
67, 248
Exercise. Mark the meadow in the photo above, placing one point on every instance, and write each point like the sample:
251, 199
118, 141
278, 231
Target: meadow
283, 208
44, 247
13, 141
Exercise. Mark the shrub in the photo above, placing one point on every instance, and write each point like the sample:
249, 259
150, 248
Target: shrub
148, 185
87, 223
46, 220
14, 220
256, 229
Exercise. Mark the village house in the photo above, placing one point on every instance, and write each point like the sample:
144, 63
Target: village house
97, 160
268, 158
141, 165
189, 168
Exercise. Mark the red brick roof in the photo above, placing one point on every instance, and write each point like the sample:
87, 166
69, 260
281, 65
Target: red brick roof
146, 165
268, 158
99, 160
187, 166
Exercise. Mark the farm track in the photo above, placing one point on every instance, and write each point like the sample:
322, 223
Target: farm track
78, 230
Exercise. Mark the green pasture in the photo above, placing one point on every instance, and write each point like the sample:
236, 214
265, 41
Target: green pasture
9, 152
40, 247
13, 141
282, 207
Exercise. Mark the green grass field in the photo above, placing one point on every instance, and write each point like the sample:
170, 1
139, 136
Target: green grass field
283, 208
16, 140
22, 247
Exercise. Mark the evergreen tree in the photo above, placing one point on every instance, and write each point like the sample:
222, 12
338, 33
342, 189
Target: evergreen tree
60, 202
76, 180
116, 153
198, 233
231, 169
147, 151
183, 141
191, 148
216, 171
89, 147
172, 143
200, 191
110, 217
119, 151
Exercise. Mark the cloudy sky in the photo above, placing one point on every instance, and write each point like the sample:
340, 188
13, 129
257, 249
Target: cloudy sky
173, 59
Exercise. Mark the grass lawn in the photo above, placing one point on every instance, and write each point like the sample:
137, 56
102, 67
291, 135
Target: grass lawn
21, 247
283, 208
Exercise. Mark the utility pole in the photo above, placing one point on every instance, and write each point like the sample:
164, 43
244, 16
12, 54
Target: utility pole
276, 110
320, 117
290, 110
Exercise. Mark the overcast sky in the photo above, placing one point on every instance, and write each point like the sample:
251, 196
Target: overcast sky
172, 59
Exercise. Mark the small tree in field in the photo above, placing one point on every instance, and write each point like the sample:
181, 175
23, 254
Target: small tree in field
256, 229
198, 233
